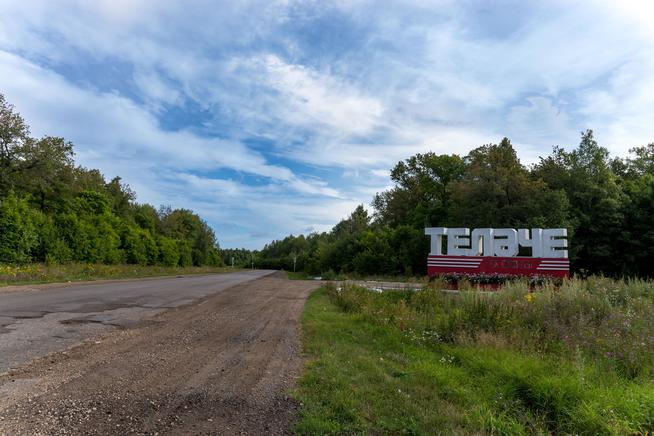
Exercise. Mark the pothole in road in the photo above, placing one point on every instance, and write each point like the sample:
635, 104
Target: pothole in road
81, 321
28, 315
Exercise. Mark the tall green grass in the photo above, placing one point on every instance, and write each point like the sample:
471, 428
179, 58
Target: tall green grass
607, 322
578, 359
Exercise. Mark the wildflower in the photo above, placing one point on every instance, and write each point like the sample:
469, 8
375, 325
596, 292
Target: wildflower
530, 297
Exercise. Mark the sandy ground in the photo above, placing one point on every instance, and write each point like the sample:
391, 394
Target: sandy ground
223, 365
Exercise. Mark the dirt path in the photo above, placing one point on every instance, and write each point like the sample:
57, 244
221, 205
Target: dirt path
222, 366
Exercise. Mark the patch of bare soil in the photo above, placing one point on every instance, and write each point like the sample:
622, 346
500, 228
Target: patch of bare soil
222, 366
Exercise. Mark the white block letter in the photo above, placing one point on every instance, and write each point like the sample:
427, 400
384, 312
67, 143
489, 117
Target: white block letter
505, 242
458, 240
554, 243
535, 242
436, 234
482, 242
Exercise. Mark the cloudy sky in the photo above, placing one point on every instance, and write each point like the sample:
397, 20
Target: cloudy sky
278, 117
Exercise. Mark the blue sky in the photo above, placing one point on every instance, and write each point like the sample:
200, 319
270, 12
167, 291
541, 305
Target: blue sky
278, 117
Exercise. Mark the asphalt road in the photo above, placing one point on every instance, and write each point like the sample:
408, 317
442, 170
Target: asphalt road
38, 320
226, 364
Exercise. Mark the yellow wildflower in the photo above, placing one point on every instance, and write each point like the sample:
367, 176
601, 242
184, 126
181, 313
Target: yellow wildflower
530, 297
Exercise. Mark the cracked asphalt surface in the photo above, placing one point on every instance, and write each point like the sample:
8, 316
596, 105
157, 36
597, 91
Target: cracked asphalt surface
37, 320
196, 355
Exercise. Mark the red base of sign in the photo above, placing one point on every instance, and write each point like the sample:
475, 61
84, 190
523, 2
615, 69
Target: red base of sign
517, 266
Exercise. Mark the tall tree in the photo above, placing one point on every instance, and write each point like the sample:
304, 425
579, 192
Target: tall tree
14, 138
591, 186
498, 191
422, 192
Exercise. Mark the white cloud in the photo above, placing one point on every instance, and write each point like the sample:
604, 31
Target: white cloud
315, 98
539, 124
380, 173
155, 89
114, 126
622, 112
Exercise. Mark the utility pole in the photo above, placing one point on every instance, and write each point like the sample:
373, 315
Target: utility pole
294, 260
232, 262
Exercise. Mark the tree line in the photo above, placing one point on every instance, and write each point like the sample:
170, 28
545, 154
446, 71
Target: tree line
52, 210
606, 203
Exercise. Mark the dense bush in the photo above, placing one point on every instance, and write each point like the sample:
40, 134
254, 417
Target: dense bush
168, 251
18, 233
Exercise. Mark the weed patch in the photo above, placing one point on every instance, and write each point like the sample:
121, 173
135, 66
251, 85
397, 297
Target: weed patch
429, 362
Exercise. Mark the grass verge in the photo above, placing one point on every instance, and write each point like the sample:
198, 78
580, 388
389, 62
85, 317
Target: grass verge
369, 375
43, 273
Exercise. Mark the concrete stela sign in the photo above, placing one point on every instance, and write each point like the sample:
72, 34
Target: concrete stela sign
496, 251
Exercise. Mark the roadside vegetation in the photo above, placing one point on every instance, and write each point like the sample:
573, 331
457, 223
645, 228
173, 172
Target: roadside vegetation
578, 359
56, 212
72, 272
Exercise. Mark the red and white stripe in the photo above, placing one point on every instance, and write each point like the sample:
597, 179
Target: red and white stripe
554, 265
454, 262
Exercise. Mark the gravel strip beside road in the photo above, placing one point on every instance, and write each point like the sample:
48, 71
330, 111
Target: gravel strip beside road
221, 366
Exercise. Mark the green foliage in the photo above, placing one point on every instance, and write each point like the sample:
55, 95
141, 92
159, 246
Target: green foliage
585, 175
423, 191
18, 235
497, 191
198, 244
168, 251
185, 253
382, 367
52, 211
241, 257
139, 246
638, 211
146, 217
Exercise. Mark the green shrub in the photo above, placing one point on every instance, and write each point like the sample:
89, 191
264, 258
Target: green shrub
58, 252
139, 246
18, 233
51, 248
185, 253
168, 251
